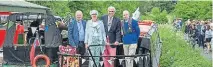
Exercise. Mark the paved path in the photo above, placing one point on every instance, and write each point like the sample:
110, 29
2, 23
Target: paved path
206, 55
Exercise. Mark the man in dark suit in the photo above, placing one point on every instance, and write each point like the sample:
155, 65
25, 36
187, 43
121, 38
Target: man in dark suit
112, 27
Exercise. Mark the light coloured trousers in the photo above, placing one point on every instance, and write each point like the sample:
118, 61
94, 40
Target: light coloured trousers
186, 36
96, 51
129, 49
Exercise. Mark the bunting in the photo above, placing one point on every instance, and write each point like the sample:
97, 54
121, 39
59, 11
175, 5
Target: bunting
110, 61
33, 30
91, 62
128, 60
136, 59
101, 63
120, 60
83, 60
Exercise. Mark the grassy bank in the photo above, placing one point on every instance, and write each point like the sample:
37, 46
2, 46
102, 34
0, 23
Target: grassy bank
176, 52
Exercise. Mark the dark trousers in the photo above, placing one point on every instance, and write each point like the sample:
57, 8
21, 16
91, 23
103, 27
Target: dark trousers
193, 39
146, 62
119, 51
201, 40
81, 51
81, 48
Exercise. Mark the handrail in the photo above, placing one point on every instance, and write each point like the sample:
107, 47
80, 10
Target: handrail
105, 45
77, 55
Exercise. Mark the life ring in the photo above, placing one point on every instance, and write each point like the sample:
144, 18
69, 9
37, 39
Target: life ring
45, 57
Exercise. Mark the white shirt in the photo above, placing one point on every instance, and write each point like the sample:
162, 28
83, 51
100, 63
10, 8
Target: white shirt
109, 22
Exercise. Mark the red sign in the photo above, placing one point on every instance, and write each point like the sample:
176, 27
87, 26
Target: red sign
3, 19
5, 13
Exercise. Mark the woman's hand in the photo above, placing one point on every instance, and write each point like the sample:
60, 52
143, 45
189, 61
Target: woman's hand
86, 45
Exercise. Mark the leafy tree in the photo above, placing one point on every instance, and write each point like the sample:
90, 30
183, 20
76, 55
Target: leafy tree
156, 15
62, 8
57, 7
147, 6
101, 6
194, 10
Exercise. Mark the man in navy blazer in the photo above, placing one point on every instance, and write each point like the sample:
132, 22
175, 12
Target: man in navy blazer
112, 27
76, 32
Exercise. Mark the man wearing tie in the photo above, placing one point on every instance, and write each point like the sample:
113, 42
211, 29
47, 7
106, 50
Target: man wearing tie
113, 30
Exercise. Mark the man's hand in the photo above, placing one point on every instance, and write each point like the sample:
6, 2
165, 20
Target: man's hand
116, 43
107, 43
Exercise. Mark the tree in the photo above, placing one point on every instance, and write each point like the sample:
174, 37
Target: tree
59, 8
101, 7
147, 6
62, 8
156, 15
201, 10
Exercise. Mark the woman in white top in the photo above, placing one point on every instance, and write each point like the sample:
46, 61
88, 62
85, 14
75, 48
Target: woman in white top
95, 35
208, 37
211, 26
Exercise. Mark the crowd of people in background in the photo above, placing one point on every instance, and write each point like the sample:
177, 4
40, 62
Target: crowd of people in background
197, 32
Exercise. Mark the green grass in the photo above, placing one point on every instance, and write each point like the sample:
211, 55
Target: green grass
176, 52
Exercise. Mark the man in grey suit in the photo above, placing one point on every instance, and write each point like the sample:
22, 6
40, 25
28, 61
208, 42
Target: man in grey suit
112, 27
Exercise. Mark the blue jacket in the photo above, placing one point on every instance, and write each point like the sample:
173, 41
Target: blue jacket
131, 38
73, 34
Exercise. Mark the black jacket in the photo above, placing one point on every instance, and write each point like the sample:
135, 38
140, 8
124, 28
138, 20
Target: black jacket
114, 33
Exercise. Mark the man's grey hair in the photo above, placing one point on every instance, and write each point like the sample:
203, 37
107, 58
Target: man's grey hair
112, 8
126, 11
78, 11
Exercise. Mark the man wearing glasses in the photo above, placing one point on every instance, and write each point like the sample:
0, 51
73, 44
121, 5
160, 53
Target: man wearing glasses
113, 34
